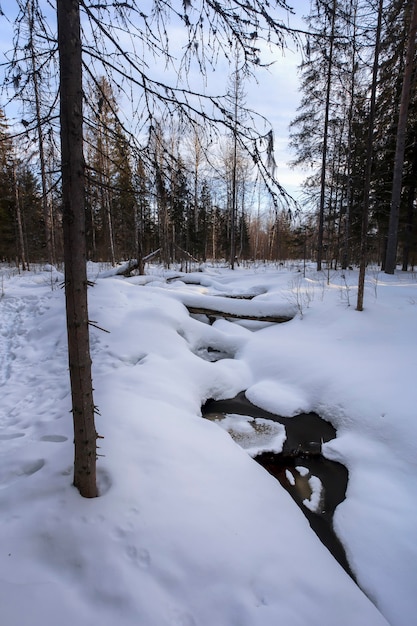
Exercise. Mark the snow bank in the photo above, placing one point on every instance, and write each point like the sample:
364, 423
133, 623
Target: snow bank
189, 530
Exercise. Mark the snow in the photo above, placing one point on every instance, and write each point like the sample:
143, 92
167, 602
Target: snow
290, 477
255, 435
303, 471
189, 530
313, 502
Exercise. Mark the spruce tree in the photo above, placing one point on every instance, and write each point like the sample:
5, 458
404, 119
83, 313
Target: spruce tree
8, 242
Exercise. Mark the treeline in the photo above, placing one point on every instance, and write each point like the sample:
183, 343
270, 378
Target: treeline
187, 195
156, 193
330, 133
22, 224
172, 199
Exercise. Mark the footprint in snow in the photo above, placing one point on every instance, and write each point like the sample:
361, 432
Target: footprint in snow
8, 436
54, 438
17, 470
139, 557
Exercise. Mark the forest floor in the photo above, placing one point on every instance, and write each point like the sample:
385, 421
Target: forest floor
189, 530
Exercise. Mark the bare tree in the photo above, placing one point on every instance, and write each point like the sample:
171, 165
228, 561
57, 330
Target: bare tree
22, 251
30, 66
236, 97
72, 166
210, 29
37, 102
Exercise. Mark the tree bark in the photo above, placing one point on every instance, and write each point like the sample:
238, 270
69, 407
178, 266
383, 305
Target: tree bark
325, 141
346, 235
72, 166
215, 313
25, 265
391, 254
410, 210
368, 166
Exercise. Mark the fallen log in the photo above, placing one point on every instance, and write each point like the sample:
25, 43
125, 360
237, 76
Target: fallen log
213, 313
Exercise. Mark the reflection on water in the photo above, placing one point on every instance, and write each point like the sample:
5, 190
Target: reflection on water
290, 450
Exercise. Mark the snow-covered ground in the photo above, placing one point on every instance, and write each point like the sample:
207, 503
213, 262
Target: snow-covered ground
189, 530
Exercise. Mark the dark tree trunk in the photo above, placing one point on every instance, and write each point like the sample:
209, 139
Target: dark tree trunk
410, 210
72, 165
368, 166
391, 256
349, 190
21, 246
325, 142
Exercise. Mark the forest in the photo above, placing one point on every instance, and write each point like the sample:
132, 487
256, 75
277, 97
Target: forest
182, 184
198, 425
179, 177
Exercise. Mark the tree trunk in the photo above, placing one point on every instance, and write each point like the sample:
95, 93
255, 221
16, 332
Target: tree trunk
346, 235
21, 246
233, 206
410, 210
325, 141
72, 166
45, 203
368, 167
391, 255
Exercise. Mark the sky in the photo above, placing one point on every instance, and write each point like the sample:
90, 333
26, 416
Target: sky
277, 96
274, 94
188, 529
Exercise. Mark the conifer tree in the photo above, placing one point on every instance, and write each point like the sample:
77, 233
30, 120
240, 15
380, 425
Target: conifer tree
145, 226
75, 253
8, 251
124, 199
400, 143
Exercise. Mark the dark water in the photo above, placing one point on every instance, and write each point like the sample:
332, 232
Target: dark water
302, 449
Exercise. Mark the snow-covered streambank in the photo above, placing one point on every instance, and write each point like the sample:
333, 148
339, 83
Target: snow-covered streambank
189, 530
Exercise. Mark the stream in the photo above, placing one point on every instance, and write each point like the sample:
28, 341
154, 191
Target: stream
315, 483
